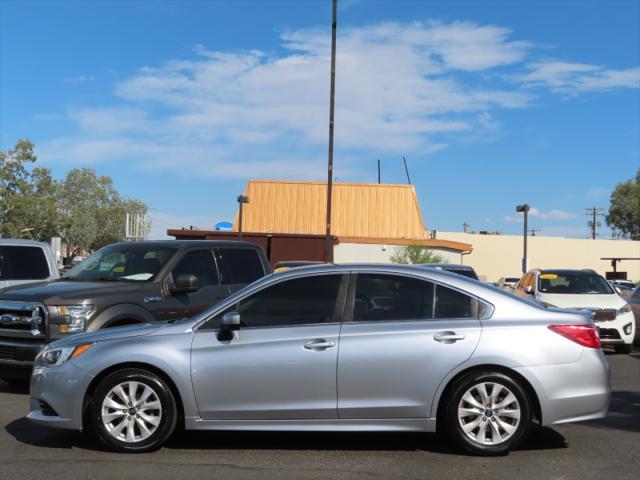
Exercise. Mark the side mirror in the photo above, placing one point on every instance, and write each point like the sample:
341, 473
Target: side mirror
528, 290
185, 283
230, 323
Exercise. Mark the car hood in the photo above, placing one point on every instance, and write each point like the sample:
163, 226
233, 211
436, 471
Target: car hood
63, 290
578, 301
110, 334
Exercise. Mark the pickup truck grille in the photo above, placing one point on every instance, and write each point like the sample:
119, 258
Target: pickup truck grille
22, 317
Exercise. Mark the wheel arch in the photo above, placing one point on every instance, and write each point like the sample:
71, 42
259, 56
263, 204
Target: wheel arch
115, 314
535, 401
88, 396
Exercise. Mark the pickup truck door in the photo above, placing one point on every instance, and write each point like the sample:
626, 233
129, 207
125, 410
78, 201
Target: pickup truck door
166, 305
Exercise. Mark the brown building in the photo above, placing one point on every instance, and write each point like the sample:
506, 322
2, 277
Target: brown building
288, 218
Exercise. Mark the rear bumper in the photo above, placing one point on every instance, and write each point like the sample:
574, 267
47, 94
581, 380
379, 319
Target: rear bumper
572, 392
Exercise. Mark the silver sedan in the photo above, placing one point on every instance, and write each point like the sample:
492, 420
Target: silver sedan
333, 347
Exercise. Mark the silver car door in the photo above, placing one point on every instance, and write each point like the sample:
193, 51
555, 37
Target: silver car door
400, 338
282, 362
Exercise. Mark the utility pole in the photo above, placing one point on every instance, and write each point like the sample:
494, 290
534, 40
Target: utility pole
594, 212
378, 171
328, 251
242, 199
465, 226
533, 231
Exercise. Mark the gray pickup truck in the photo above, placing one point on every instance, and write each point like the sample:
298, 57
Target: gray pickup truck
122, 284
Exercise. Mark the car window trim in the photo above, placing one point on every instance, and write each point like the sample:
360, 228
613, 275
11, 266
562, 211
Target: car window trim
353, 279
338, 309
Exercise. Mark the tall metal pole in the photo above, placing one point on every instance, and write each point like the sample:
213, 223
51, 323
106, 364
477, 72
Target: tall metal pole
328, 250
524, 208
240, 222
406, 169
378, 171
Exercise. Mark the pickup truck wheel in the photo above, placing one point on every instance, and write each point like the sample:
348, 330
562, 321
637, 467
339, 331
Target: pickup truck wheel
133, 410
487, 413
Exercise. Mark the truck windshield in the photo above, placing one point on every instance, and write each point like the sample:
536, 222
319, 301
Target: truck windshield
121, 263
573, 283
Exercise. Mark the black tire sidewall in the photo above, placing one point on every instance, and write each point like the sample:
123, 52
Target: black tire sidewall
452, 424
167, 401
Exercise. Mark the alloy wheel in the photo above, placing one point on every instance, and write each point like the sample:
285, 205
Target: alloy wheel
489, 413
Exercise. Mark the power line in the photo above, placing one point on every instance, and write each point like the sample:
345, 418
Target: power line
594, 212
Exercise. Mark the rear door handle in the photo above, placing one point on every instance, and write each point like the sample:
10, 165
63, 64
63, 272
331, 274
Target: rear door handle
318, 344
448, 337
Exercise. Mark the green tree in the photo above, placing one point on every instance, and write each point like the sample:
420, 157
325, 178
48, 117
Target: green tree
414, 254
624, 209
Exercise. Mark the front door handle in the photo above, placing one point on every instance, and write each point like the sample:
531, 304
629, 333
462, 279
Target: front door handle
448, 337
320, 344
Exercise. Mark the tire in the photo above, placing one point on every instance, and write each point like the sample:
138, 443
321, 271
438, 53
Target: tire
490, 431
626, 348
138, 430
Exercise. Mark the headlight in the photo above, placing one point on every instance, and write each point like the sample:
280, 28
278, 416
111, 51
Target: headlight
54, 357
625, 309
71, 318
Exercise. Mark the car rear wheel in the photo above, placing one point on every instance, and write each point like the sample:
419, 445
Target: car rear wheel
487, 413
133, 410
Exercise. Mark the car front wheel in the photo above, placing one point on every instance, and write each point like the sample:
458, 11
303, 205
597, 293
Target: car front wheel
487, 413
133, 410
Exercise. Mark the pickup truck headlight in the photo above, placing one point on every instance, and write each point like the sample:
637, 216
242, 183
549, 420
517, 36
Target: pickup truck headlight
71, 318
54, 357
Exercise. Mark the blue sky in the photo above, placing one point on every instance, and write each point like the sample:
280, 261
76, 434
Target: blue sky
492, 103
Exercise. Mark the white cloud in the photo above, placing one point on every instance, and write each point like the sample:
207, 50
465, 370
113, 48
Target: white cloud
79, 79
574, 78
400, 89
554, 214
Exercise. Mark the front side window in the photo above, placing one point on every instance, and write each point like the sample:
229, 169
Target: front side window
390, 297
573, 283
121, 263
23, 263
240, 265
299, 301
199, 263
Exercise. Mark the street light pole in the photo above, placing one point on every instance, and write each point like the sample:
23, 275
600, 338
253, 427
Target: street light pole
328, 251
524, 208
242, 199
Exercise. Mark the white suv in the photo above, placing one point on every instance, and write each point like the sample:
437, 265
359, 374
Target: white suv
583, 290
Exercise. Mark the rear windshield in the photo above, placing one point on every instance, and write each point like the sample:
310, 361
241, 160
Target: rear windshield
573, 283
23, 263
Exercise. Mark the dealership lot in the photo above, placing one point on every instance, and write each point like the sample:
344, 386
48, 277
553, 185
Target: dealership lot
604, 448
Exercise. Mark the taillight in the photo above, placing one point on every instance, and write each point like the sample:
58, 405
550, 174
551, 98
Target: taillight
584, 335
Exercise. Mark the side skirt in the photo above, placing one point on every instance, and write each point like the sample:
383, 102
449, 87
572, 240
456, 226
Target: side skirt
324, 425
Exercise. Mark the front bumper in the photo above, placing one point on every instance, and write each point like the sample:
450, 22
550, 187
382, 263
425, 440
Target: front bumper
61, 391
17, 356
612, 332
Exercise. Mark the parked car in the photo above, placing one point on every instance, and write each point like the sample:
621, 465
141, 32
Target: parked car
623, 283
420, 349
622, 290
508, 283
464, 270
634, 303
583, 290
25, 261
287, 264
122, 284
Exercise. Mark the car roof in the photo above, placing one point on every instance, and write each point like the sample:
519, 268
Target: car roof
22, 241
186, 243
562, 271
456, 266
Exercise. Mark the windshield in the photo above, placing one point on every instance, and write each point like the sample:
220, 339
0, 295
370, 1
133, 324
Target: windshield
121, 263
573, 283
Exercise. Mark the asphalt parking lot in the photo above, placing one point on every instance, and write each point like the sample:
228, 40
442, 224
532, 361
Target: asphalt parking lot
609, 448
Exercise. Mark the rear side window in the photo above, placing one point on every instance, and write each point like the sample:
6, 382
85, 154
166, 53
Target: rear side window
199, 263
389, 298
23, 263
239, 265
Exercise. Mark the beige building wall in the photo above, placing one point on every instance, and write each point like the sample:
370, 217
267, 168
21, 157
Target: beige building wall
495, 256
